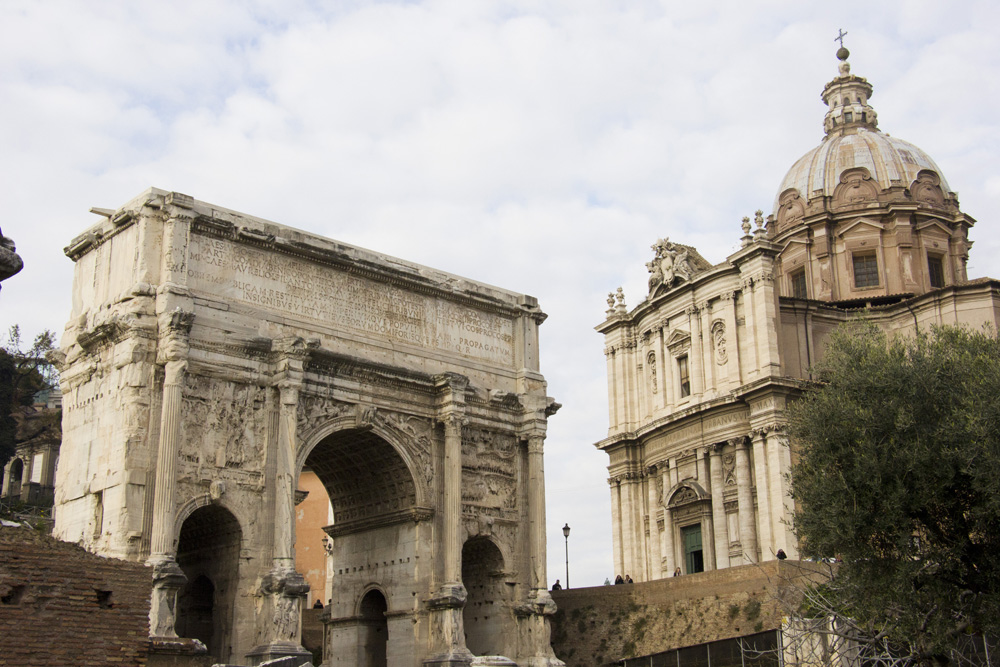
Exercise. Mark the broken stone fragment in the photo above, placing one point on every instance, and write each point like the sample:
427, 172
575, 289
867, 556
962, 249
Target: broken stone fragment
10, 261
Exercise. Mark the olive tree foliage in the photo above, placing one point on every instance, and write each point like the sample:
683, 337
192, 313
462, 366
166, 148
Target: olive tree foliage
898, 476
23, 373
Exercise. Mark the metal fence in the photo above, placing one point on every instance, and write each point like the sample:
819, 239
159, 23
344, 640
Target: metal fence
759, 650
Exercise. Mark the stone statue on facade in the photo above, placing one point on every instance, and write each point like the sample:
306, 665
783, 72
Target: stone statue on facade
672, 264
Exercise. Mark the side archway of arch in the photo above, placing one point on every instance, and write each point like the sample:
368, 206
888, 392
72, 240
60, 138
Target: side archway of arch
204, 500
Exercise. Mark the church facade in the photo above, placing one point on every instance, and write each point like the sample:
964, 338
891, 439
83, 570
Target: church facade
700, 372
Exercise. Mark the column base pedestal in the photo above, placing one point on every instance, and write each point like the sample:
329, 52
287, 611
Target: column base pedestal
274, 650
457, 658
533, 617
446, 623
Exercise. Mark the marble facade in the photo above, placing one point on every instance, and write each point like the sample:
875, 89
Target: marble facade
212, 356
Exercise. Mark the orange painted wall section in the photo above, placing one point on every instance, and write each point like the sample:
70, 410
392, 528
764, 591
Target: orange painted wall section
311, 515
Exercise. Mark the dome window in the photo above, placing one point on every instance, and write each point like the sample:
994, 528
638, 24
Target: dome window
848, 117
865, 270
935, 270
798, 280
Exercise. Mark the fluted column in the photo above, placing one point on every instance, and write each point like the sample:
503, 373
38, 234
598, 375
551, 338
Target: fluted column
448, 602
453, 498
283, 589
285, 482
534, 613
744, 498
162, 539
767, 548
536, 511
719, 523
167, 575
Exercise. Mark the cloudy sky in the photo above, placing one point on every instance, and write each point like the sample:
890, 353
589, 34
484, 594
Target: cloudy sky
539, 146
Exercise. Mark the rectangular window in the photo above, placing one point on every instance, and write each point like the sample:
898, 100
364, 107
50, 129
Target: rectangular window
799, 284
935, 269
865, 270
682, 371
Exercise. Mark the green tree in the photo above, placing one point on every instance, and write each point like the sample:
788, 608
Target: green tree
898, 474
23, 373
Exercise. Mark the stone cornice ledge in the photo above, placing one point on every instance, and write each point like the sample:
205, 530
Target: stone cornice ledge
737, 395
410, 515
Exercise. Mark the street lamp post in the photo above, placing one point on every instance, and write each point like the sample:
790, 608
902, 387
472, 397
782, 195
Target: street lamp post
566, 535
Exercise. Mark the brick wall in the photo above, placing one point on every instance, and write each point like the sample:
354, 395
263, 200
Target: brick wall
60, 605
603, 624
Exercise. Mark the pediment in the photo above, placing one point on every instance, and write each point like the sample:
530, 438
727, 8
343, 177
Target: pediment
679, 338
799, 240
861, 224
934, 224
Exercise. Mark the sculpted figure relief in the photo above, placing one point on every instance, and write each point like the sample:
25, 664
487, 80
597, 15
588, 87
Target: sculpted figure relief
672, 263
651, 364
719, 338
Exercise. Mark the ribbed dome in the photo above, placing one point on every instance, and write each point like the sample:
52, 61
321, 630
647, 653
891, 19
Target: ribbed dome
853, 140
890, 161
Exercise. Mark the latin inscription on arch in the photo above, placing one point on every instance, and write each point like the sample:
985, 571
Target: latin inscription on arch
300, 288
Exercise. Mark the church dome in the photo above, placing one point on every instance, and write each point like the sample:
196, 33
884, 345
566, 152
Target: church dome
854, 142
890, 162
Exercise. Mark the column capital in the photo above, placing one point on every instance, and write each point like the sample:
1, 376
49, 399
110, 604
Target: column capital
452, 419
288, 390
174, 371
738, 442
175, 328
536, 443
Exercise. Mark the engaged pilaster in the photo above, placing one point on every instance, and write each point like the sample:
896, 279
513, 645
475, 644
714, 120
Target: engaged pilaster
767, 548
720, 526
744, 498
667, 544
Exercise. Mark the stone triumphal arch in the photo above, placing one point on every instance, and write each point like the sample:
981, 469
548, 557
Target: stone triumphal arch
211, 357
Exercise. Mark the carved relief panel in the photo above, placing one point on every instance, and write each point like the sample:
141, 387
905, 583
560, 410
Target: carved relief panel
489, 473
224, 424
